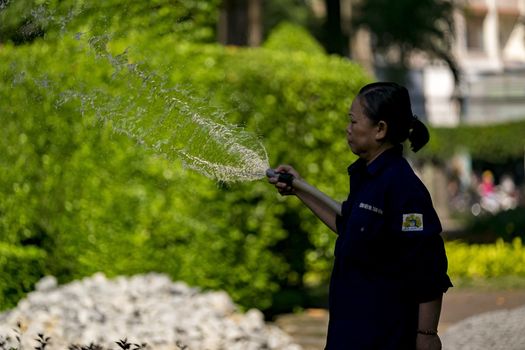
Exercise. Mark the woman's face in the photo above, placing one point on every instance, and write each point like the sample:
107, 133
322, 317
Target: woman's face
361, 132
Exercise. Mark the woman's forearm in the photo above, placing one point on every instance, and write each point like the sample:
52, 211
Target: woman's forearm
325, 211
324, 207
311, 193
429, 313
427, 337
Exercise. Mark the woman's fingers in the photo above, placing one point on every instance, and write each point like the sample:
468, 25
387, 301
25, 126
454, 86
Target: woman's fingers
283, 188
285, 168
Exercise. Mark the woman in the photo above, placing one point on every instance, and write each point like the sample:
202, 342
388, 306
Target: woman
389, 273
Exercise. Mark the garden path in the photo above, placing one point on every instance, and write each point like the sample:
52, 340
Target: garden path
309, 327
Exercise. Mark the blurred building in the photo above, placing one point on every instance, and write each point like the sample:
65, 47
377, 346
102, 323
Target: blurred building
490, 50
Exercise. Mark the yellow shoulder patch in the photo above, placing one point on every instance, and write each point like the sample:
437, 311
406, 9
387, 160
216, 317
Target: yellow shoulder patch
412, 222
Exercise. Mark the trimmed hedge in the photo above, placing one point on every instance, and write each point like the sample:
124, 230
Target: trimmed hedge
493, 143
289, 37
94, 200
474, 261
23, 21
20, 269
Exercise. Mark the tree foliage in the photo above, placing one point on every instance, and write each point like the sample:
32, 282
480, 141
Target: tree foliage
409, 26
291, 37
24, 20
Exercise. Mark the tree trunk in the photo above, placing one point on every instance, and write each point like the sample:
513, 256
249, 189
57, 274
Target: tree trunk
254, 22
240, 23
361, 49
333, 35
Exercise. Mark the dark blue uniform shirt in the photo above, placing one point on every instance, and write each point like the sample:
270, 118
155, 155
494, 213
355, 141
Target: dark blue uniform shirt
389, 257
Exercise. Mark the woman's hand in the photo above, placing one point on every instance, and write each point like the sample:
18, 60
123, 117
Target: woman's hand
428, 342
283, 188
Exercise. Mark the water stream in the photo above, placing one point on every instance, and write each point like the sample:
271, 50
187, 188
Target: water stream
159, 116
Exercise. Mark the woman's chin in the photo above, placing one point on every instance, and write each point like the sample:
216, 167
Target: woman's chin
353, 149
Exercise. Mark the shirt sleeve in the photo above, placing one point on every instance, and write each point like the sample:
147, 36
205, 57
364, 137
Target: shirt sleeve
430, 278
340, 220
422, 248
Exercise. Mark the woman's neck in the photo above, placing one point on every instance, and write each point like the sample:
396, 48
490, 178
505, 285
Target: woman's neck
376, 152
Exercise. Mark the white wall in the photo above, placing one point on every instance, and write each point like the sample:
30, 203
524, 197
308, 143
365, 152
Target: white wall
438, 87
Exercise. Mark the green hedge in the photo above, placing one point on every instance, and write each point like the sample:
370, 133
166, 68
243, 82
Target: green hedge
25, 20
289, 37
20, 269
475, 261
505, 225
95, 200
298, 103
493, 143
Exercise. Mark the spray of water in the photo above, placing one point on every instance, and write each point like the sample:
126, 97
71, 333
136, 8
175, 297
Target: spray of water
162, 118
170, 122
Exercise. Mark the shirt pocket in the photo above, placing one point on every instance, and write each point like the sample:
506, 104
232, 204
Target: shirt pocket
364, 230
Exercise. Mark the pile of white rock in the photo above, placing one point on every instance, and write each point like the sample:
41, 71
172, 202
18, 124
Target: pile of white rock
148, 308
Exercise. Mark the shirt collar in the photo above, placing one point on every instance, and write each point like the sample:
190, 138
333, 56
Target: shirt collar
377, 164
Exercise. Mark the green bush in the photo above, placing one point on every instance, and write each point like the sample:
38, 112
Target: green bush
290, 37
20, 269
492, 143
25, 20
298, 103
505, 225
95, 200
475, 261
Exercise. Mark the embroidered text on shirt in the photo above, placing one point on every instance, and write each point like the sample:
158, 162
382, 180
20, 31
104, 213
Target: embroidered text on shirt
371, 208
412, 222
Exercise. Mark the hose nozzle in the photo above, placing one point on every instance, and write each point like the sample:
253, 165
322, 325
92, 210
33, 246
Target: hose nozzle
286, 178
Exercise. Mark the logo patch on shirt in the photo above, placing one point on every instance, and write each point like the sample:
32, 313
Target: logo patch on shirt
412, 222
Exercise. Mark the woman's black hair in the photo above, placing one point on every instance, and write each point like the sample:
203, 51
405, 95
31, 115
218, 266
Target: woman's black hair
390, 102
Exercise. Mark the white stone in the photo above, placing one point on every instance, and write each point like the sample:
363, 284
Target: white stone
46, 283
143, 308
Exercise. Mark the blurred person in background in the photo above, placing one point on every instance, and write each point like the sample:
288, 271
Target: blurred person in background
495, 198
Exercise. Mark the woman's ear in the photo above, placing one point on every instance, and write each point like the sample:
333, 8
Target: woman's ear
382, 128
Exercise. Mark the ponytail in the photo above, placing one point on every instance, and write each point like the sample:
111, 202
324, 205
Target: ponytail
418, 134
